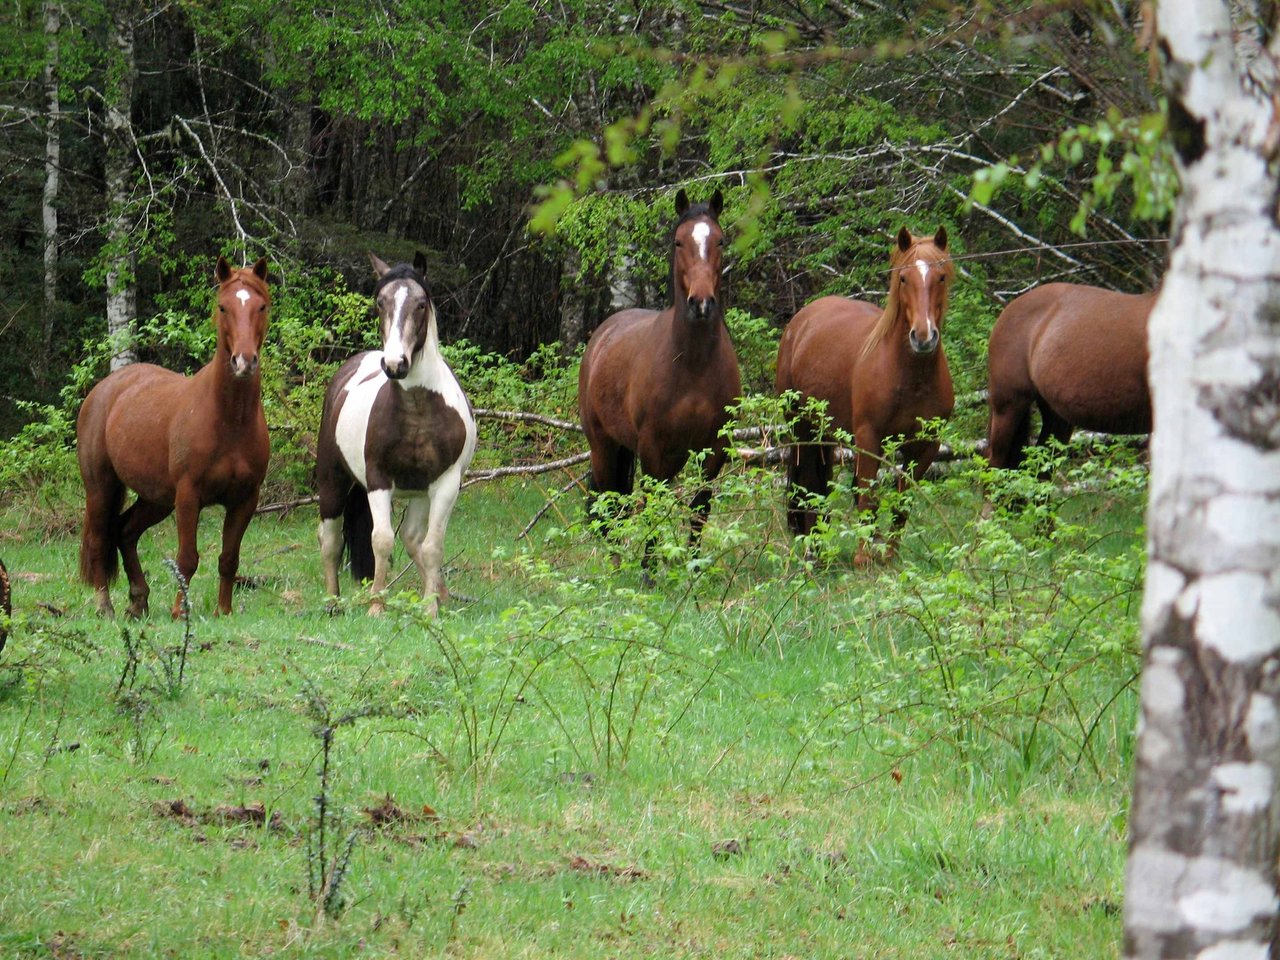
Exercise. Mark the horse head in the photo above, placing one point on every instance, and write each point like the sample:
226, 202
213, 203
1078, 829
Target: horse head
241, 318
921, 273
405, 311
695, 263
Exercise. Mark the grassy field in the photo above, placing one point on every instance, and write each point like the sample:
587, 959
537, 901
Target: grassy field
762, 757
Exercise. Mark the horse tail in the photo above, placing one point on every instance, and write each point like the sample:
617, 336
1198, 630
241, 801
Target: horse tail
357, 534
101, 529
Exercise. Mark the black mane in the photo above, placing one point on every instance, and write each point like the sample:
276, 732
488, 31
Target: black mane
402, 271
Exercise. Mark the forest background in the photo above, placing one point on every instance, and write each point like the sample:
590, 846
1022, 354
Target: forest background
142, 139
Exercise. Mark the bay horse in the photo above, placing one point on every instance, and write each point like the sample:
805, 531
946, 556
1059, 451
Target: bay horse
181, 444
881, 371
655, 386
1076, 352
396, 425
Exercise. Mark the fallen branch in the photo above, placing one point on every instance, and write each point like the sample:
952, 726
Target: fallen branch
479, 476
573, 481
520, 416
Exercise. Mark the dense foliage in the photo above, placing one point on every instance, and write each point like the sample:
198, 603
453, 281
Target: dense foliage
316, 135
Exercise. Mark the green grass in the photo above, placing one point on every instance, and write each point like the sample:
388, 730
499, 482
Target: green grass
759, 758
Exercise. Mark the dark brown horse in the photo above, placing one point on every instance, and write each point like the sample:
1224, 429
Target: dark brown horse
880, 370
396, 425
1079, 354
654, 386
180, 443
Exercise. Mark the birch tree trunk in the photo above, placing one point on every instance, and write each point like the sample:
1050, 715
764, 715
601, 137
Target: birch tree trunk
1204, 837
121, 282
52, 172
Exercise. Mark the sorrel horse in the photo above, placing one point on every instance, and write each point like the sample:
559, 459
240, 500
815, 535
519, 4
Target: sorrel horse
656, 385
1079, 353
880, 370
181, 444
396, 424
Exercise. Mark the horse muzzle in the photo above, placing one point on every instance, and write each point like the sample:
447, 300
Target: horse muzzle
700, 308
395, 369
243, 366
924, 347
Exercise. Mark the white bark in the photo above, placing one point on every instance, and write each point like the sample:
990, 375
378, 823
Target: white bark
52, 172
120, 170
1204, 837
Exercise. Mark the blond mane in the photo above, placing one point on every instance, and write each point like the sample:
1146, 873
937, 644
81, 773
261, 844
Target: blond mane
921, 248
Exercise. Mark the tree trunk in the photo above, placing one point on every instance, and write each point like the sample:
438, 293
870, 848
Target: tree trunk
1204, 830
121, 281
52, 171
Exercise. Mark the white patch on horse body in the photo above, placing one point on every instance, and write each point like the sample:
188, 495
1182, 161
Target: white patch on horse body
429, 372
353, 419
243, 296
701, 234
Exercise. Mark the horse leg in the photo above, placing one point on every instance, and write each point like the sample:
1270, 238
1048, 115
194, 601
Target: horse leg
140, 517
383, 541
333, 490
808, 477
869, 453
234, 526
1052, 427
187, 509
918, 456
99, 560
443, 498
1008, 429
701, 503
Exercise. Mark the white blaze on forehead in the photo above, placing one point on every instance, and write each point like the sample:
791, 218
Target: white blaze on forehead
923, 267
242, 296
394, 345
702, 233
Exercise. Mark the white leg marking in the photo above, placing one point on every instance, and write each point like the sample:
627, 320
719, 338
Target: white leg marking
330, 534
384, 540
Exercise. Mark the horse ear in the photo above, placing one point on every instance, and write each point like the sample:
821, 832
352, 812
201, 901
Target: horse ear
260, 268
904, 239
379, 267
223, 270
682, 202
716, 204
420, 262
940, 238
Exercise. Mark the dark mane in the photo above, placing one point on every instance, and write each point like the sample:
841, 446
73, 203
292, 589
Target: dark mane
402, 271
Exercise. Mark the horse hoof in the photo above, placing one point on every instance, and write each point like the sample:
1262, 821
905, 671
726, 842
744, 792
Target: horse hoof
377, 609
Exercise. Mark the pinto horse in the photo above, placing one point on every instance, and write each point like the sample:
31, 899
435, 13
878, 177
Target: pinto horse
181, 444
880, 370
656, 385
1079, 353
396, 424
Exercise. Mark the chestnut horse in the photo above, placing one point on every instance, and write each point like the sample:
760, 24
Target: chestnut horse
181, 444
396, 424
880, 370
656, 385
1078, 353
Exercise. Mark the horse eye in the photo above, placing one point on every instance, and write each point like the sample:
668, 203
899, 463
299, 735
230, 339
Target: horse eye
679, 243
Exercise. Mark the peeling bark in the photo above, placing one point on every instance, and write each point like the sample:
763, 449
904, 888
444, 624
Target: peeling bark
52, 171
120, 172
1204, 838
